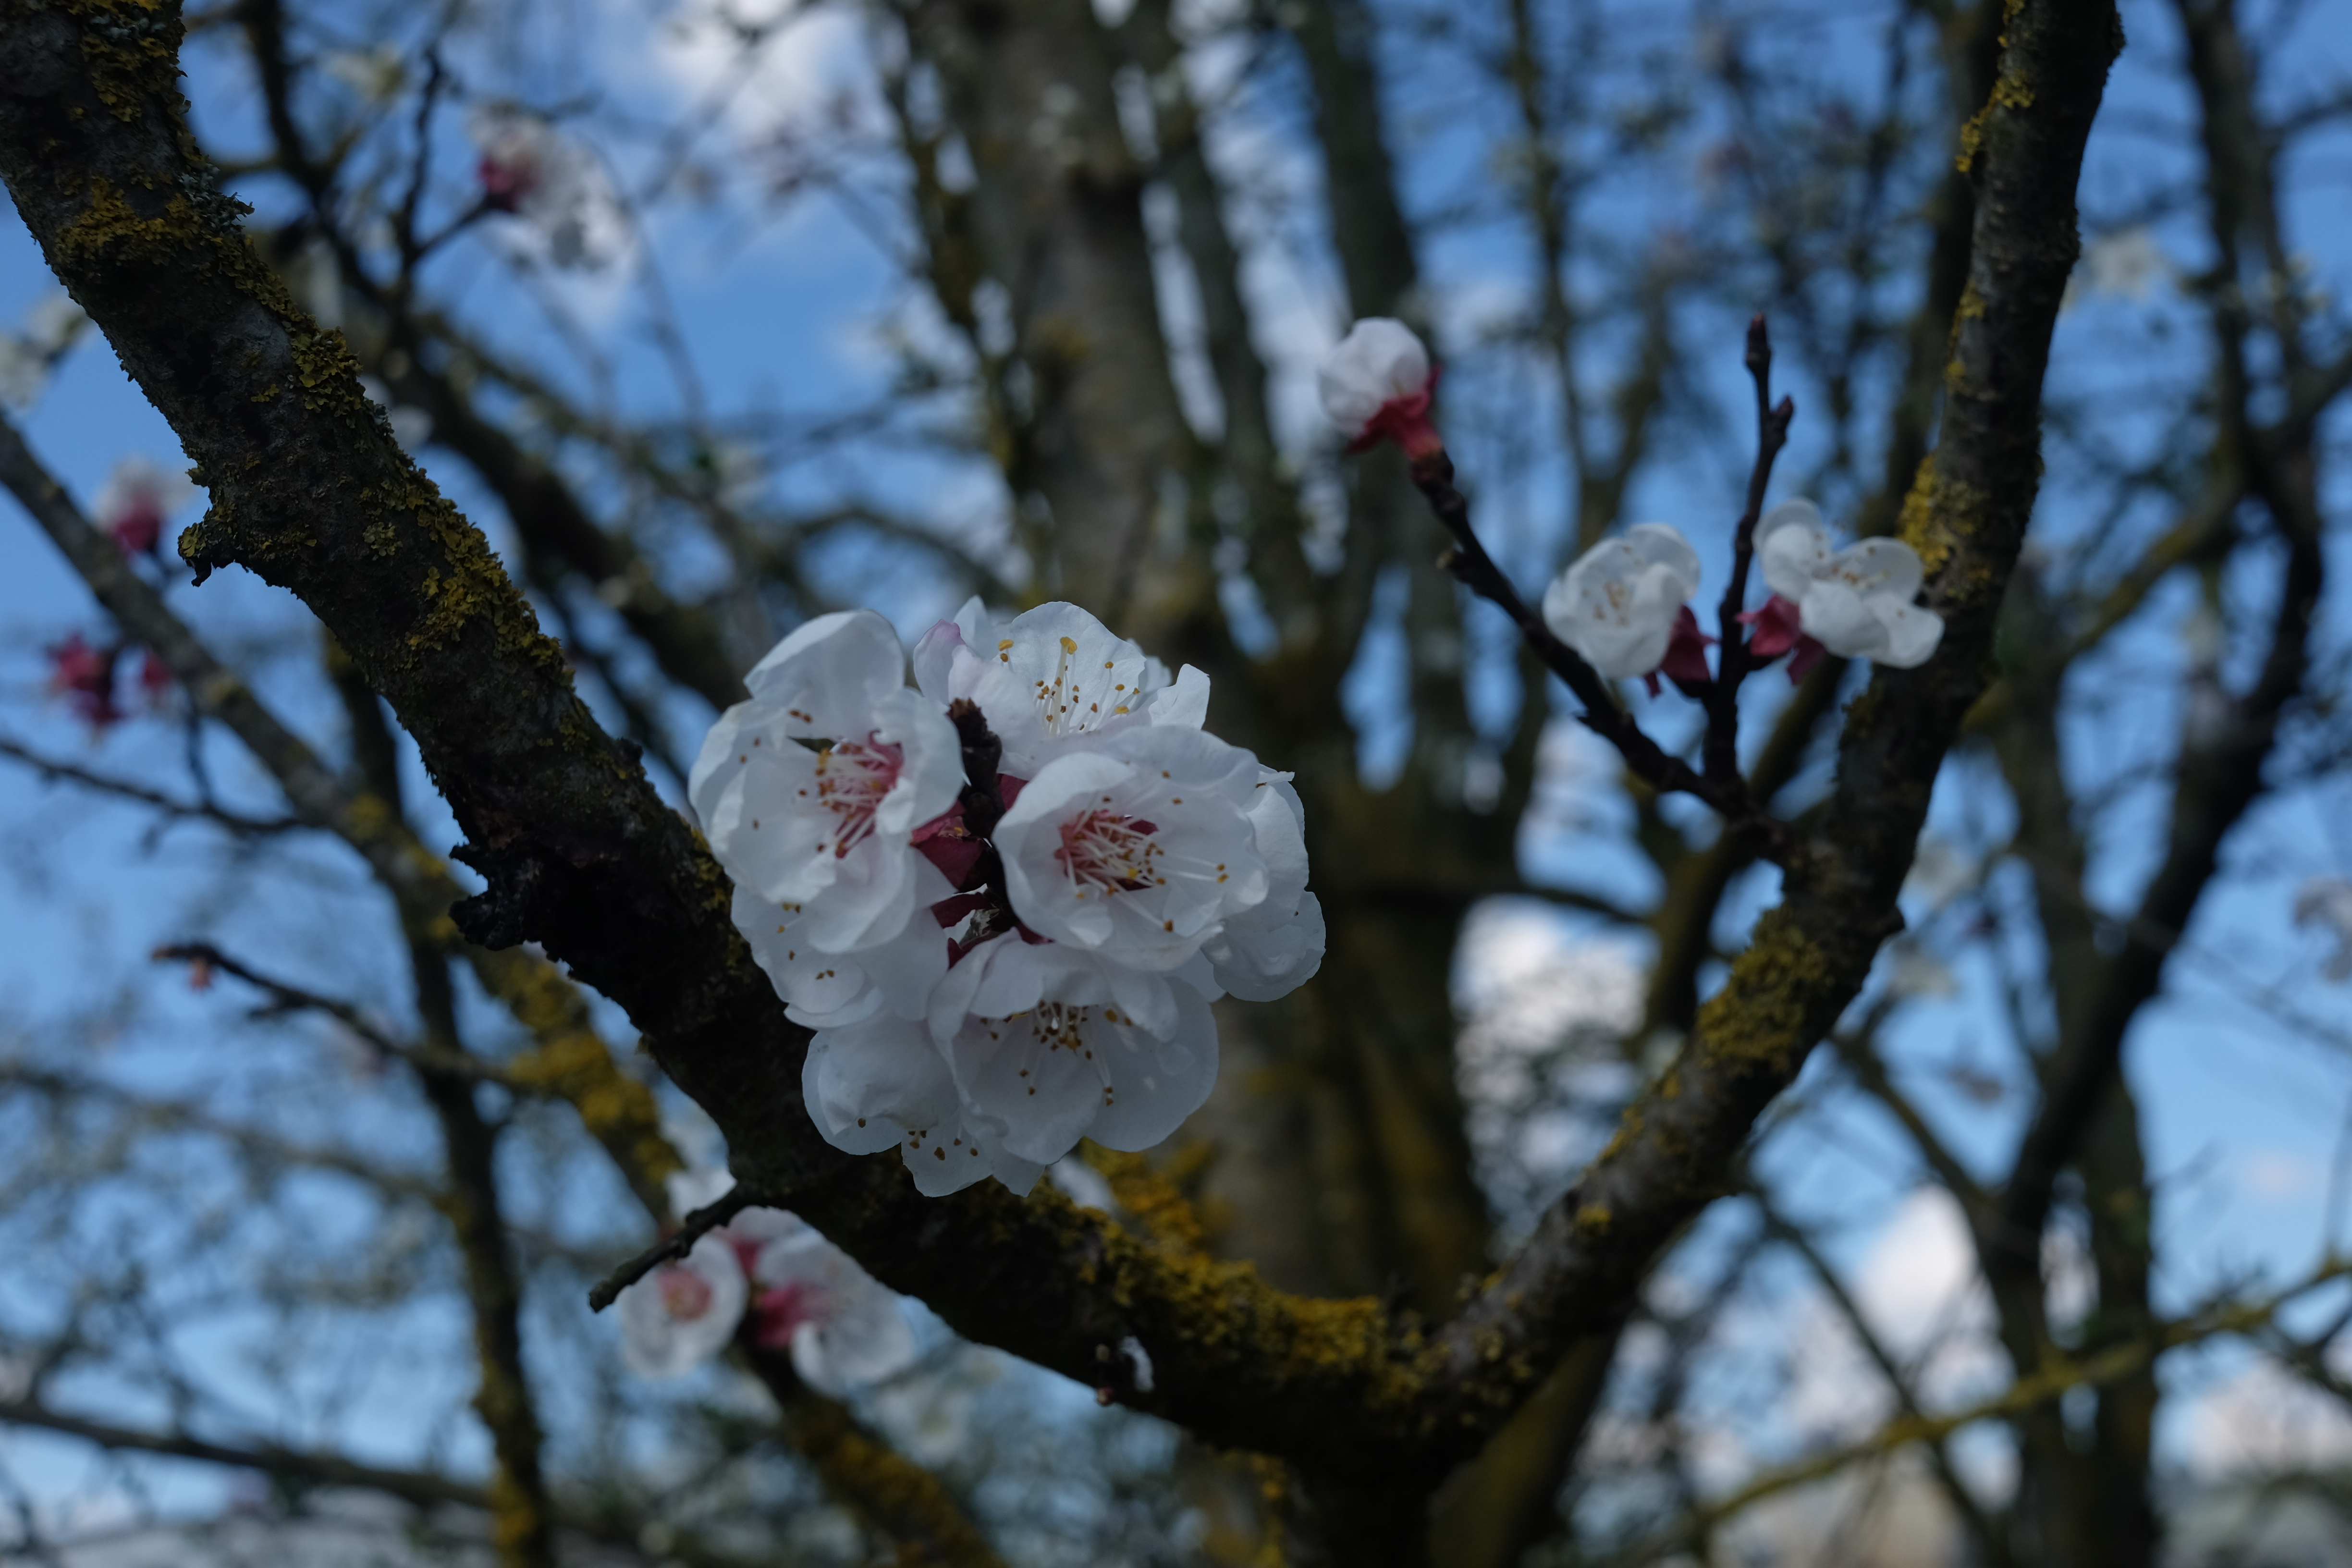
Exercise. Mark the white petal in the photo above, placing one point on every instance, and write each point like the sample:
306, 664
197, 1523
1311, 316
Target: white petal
1664, 544
1184, 702
930, 773
825, 677
1379, 359
874, 1084
935, 652
854, 1347
1839, 620
1040, 1082
1055, 672
1913, 633
1791, 547
1157, 1082
1880, 566
1616, 606
653, 1342
1270, 950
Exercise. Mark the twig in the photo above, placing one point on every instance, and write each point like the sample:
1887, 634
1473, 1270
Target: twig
677, 1245
1476, 570
286, 999
50, 767
1732, 663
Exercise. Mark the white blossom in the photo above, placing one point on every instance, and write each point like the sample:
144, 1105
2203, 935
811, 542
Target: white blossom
845, 1330
1376, 382
824, 990
1855, 602
1136, 847
1617, 605
683, 1313
2327, 903
556, 186
827, 825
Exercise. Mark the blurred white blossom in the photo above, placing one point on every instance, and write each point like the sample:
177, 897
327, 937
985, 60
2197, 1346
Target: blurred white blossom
2327, 903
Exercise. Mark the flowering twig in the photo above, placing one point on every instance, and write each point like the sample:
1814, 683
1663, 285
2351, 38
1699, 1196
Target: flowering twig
1732, 664
691, 1228
1432, 473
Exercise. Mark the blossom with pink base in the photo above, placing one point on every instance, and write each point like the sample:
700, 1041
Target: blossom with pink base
812, 792
1376, 385
844, 1330
135, 500
558, 187
683, 1313
1621, 608
1855, 602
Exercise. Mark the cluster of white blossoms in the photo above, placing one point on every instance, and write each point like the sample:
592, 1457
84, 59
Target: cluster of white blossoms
842, 1330
1623, 605
1006, 938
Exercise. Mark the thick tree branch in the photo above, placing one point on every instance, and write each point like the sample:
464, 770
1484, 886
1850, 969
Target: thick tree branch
1967, 516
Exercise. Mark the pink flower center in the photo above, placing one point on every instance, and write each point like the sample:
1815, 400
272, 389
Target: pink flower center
786, 1310
852, 778
1103, 849
506, 182
685, 1295
138, 525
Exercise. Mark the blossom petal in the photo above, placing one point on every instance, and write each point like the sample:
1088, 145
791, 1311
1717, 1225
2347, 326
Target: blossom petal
1880, 566
1162, 1081
656, 1341
827, 674
877, 1083
1663, 544
1040, 1082
1616, 606
1270, 950
953, 646
1842, 620
1381, 358
930, 773
1055, 672
1912, 634
1792, 547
